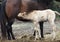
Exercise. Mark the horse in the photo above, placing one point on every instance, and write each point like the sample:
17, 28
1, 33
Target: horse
37, 16
10, 10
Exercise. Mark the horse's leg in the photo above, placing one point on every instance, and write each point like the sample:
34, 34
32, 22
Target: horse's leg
34, 33
8, 33
54, 29
41, 28
13, 37
37, 30
3, 30
9, 30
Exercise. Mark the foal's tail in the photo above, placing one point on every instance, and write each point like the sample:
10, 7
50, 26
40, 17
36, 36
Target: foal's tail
57, 12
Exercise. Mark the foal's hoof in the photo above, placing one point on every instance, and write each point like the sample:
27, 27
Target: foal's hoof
37, 38
54, 39
41, 38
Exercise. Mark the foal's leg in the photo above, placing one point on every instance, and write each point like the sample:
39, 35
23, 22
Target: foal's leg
54, 29
37, 30
41, 28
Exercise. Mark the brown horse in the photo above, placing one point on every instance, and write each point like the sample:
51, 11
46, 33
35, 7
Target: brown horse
11, 8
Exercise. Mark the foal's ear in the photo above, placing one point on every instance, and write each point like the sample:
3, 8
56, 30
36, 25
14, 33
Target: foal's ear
19, 14
24, 12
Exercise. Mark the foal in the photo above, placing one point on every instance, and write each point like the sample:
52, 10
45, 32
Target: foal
37, 16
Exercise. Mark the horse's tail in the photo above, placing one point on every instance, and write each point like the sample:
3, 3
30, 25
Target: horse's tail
2, 12
2, 19
57, 12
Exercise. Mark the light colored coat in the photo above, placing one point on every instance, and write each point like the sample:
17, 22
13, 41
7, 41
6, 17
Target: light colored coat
41, 15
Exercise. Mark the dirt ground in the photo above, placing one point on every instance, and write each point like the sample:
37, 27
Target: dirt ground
23, 32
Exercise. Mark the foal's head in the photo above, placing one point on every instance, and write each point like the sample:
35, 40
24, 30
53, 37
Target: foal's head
21, 14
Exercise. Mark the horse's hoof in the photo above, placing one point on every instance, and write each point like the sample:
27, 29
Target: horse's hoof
9, 38
42, 36
53, 39
13, 38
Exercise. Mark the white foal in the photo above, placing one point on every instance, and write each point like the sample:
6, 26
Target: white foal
41, 15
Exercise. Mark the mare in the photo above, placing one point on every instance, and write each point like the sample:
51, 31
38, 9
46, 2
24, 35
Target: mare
10, 10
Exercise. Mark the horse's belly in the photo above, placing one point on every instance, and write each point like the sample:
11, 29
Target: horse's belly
37, 18
42, 18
